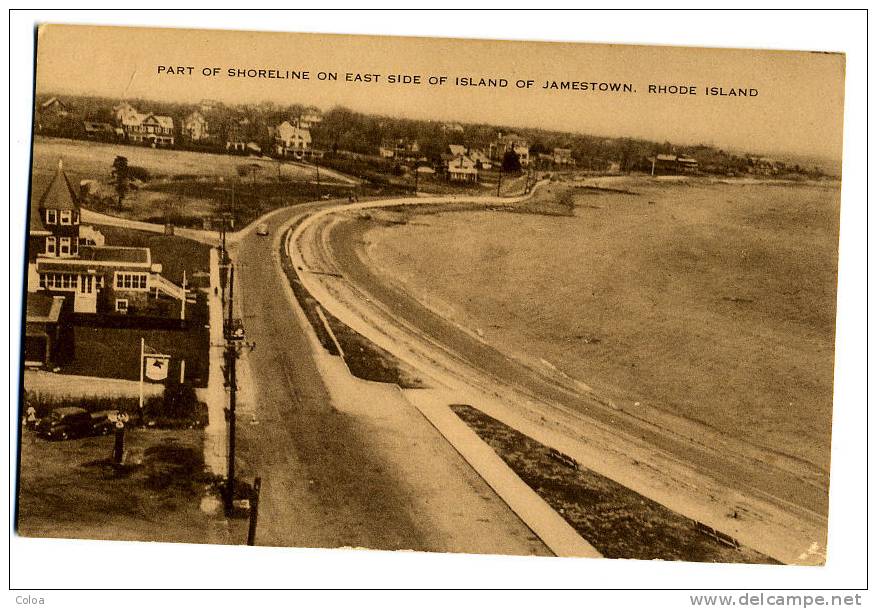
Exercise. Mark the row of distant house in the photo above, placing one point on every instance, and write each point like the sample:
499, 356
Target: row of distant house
290, 138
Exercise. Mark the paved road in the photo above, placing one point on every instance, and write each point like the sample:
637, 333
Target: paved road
330, 477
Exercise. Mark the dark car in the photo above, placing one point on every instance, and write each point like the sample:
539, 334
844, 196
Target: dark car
64, 423
103, 422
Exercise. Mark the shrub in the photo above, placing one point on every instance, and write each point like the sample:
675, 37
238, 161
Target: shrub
139, 173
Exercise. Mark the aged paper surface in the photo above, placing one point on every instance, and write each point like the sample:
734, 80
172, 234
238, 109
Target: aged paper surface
444, 295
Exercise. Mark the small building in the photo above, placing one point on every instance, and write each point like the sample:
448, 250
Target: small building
674, 164
195, 127
462, 169
53, 117
510, 141
45, 322
309, 118
386, 152
563, 156
457, 150
208, 105
686, 164
54, 106
99, 131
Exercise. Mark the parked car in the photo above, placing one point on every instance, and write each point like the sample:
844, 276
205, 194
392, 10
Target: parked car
103, 422
64, 423
262, 229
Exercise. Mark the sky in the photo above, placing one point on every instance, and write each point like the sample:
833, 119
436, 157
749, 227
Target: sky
798, 109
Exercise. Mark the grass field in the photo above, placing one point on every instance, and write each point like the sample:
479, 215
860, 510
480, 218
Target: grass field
185, 186
68, 489
713, 302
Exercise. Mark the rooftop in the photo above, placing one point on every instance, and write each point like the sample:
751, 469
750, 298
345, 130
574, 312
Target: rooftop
60, 193
43, 308
115, 254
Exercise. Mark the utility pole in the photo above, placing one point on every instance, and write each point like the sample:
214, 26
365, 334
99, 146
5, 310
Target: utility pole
233, 346
499, 182
183, 309
231, 357
416, 177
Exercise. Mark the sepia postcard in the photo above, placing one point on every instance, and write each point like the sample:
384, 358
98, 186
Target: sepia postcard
444, 295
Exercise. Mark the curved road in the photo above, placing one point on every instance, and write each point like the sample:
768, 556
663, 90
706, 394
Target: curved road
373, 475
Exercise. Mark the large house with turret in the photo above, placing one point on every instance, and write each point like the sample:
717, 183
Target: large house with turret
69, 260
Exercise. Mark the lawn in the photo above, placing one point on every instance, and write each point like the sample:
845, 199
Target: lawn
69, 490
115, 352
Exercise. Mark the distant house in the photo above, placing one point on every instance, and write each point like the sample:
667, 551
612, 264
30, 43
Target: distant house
686, 164
55, 106
100, 131
208, 105
124, 111
195, 126
764, 166
671, 163
563, 156
462, 169
480, 157
386, 152
510, 141
457, 150
309, 118
53, 117
452, 127
291, 140
151, 129
94, 279
237, 135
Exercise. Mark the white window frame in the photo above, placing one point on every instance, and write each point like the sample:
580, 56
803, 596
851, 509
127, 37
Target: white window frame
51, 246
124, 302
64, 244
131, 281
51, 216
66, 218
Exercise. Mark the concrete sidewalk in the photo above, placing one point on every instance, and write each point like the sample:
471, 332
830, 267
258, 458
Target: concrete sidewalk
215, 434
560, 537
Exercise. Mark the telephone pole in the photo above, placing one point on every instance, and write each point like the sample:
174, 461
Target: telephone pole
234, 344
231, 357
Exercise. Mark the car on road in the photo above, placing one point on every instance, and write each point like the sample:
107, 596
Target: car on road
262, 229
65, 423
